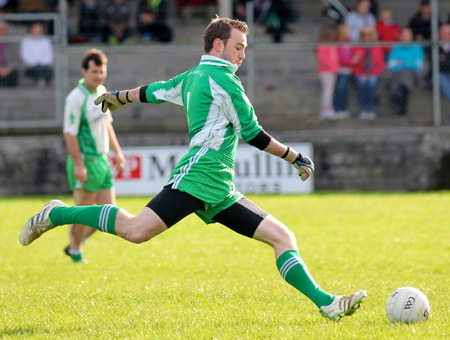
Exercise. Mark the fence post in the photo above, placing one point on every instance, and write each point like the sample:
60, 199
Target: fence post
435, 63
249, 9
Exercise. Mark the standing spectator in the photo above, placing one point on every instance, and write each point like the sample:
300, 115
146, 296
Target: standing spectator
359, 18
344, 77
420, 23
387, 29
405, 63
151, 20
444, 60
328, 67
368, 64
36, 51
89, 135
117, 22
89, 25
8, 73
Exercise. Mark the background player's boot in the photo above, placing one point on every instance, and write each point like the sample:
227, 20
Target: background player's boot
38, 224
343, 305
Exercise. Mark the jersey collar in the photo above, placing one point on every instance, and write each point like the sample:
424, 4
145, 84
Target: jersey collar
211, 60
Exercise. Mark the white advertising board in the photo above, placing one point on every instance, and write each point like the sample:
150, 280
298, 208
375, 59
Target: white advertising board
148, 169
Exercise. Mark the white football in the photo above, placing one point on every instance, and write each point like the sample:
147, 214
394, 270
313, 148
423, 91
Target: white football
407, 304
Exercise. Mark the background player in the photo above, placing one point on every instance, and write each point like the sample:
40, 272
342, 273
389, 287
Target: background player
89, 134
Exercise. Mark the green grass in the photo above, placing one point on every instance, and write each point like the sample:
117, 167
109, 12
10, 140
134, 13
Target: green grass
206, 282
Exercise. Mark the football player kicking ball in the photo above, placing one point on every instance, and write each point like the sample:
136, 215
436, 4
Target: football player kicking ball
218, 113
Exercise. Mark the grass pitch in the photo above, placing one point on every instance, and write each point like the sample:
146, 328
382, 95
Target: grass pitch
206, 282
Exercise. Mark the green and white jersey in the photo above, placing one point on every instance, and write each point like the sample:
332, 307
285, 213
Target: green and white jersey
218, 112
84, 119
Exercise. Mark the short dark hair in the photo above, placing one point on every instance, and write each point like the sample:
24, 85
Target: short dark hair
97, 56
221, 28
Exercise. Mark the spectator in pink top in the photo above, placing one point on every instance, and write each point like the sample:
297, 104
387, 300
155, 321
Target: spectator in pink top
328, 67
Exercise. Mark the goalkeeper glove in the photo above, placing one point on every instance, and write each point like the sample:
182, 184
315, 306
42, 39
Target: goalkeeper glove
304, 165
112, 100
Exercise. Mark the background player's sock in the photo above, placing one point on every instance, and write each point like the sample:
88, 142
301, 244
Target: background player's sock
294, 271
100, 217
76, 255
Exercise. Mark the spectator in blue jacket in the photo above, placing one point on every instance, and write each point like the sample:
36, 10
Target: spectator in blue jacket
405, 64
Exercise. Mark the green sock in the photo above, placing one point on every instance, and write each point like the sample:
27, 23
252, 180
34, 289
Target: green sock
100, 217
294, 271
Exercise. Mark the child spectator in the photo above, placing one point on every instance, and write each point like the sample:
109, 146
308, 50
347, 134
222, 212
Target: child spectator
328, 67
368, 63
387, 29
344, 77
405, 63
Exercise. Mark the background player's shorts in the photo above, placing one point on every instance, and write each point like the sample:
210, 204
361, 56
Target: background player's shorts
99, 173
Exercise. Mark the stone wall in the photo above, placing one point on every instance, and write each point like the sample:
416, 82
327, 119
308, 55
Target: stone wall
413, 159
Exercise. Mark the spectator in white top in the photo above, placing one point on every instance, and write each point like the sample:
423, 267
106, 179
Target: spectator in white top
359, 18
37, 55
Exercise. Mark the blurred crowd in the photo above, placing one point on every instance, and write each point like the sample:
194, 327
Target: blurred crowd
367, 43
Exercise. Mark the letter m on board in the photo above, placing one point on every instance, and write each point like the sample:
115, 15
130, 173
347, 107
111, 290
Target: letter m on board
160, 169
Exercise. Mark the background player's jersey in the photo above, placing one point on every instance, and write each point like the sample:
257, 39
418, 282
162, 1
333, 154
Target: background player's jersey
84, 119
216, 107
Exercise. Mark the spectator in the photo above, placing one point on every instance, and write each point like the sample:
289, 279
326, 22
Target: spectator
368, 63
405, 63
444, 60
151, 20
37, 54
8, 6
344, 77
359, 18
8, 73
328, 66
274, 15
420, 23
117, 22
387, 29
89, 25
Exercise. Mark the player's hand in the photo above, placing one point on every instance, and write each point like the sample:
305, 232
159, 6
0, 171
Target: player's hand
112, 100
304, 165
80, 173
120, 162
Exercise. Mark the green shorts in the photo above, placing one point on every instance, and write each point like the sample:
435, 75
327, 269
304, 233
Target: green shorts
207, 175
99, 173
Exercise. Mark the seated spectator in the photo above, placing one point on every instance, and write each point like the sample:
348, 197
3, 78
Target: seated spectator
274, 15
420, 23
444, 60
405, 63
36, 51
151, 20
89, 25
368, 64
345, 76
117, 22
359, 18
8, 73
327, 68
387, 29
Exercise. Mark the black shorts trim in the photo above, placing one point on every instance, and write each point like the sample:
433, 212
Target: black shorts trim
243, 217
172, 205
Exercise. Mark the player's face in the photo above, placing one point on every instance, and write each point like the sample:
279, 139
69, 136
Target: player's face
94, 76
234, 50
